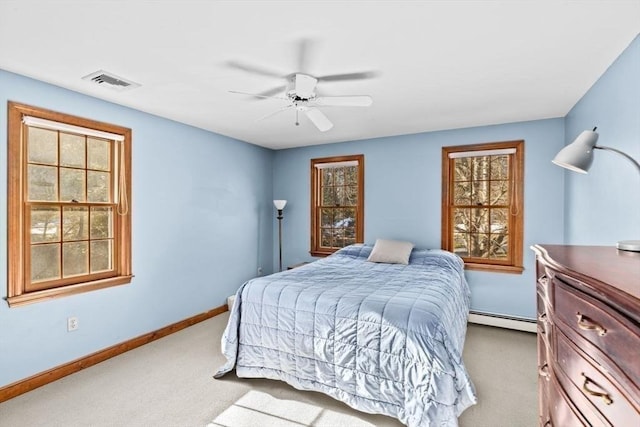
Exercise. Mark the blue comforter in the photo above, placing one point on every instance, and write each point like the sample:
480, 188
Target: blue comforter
383, 338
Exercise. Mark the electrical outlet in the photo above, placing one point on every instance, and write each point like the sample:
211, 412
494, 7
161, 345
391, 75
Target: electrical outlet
259, 271
72, 324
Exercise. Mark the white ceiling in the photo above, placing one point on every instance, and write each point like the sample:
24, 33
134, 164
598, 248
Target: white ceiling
440, 64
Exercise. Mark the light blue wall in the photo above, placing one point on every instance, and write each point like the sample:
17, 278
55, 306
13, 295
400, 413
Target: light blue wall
202, 225
203, 221
603, 206
403, 197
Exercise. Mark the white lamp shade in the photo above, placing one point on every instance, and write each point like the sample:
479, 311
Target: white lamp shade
578, 156
279, 204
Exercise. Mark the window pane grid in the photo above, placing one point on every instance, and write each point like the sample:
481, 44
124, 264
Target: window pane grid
69, 200
338, 213
336, 208
337, 226
479, 207
83, 245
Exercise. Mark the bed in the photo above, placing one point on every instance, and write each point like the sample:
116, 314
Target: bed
383, 338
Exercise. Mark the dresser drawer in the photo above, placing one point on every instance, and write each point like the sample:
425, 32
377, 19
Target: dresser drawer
605, 328
592, 391
561, 411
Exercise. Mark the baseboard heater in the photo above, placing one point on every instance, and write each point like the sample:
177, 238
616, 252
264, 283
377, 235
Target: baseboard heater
502, 321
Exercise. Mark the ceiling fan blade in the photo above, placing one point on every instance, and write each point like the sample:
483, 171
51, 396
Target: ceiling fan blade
257, 95
305, 85
345, 101
275, 112
318, 118
256, 69
349, 76
273, 91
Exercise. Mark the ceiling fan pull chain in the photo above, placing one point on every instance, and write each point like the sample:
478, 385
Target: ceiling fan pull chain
297, 122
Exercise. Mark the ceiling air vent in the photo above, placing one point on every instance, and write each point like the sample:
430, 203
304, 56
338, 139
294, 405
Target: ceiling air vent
110, 80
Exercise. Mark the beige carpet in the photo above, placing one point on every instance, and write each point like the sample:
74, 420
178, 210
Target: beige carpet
169, 383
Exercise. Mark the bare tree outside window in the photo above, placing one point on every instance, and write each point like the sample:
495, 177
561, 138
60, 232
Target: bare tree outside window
482, 204
337, 205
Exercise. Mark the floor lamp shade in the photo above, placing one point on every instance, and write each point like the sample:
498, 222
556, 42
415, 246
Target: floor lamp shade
279, 204
578, 157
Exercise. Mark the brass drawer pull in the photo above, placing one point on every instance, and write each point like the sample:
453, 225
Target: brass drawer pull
544, 371
604, 396
587, 324
548, 424
543, 280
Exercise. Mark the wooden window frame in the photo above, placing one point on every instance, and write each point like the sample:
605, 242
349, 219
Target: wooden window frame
316, 243
18, 292
516, 202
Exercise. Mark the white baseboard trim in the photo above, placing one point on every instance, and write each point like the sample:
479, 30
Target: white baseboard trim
507, 322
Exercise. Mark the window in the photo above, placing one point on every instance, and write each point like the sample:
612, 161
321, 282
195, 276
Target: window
337, 203
69, 223
482, 206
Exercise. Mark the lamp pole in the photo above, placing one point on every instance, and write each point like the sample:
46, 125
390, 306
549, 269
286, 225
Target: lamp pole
280, 235
279, 205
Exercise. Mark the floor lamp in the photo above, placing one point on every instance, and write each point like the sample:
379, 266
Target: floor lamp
280, 204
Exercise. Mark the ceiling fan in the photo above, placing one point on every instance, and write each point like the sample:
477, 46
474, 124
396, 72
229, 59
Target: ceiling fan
300, 89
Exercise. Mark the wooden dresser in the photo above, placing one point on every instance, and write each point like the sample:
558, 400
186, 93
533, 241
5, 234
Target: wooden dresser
588, 336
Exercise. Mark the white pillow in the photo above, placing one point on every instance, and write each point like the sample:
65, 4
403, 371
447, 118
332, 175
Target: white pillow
391, 252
